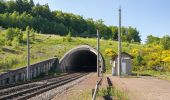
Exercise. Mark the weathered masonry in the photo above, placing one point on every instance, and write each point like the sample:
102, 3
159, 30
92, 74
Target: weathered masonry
35, 70
81, 59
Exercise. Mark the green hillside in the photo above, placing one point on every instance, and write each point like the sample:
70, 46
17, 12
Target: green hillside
46, 46
149, 59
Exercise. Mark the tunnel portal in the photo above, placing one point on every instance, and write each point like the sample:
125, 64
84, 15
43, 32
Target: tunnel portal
80, 59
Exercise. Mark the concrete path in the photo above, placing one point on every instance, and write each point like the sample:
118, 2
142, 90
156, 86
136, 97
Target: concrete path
144, 88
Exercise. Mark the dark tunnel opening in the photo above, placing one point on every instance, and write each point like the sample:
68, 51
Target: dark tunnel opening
82, 61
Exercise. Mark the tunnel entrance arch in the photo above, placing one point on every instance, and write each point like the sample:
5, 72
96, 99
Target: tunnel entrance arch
82, 58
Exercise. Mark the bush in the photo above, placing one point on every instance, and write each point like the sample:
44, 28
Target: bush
31, 34
7, 63
109, 52
2, 41
110, 42
13, 35
9, 34
15, 43
138, 68
165, 41
68, 37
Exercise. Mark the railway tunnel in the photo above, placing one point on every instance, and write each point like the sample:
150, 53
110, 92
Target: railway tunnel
81, 59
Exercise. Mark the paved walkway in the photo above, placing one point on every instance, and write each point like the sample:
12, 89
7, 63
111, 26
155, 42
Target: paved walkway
144, 88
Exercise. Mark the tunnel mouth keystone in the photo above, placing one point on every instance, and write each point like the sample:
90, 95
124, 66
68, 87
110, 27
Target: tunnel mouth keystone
82, 58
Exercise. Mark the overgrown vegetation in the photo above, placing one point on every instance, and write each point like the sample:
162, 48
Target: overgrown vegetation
147, 57
112, 92
153, 56
44, 47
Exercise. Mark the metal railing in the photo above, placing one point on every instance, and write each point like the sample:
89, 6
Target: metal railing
96, 89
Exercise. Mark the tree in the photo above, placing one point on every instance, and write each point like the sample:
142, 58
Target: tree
133, 35
165, 42
23, 13
105, 32
152, 39
91, 29
11, 6
114, 30
42, 10
2, 7
19, 6
125, 35
22, 6
31, 3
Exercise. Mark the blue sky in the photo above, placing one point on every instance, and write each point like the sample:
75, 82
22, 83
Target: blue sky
148, 16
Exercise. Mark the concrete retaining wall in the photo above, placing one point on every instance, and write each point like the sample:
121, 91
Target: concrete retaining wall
20, 74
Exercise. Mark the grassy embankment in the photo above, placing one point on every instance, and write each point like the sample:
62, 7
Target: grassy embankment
47, 46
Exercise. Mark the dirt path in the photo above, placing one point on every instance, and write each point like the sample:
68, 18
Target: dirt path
144, 88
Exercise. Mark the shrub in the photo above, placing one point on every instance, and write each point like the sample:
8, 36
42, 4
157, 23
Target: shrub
2, 41
15, 43
7, 63
167, 59
109, 52
11, 34
31, 34
110, 42
68, 37
165, 41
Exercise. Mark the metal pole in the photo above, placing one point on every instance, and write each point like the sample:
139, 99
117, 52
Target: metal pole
28, 55
119, 44
98, 37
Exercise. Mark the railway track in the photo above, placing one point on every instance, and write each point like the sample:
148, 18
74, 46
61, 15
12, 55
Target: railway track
29, 90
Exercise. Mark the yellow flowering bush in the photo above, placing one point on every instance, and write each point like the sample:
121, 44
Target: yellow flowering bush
167, 59
109, 52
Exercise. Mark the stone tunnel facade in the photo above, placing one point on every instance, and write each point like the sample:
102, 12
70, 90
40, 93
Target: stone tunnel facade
81, 59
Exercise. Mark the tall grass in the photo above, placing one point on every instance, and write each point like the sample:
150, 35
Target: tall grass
113, 92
